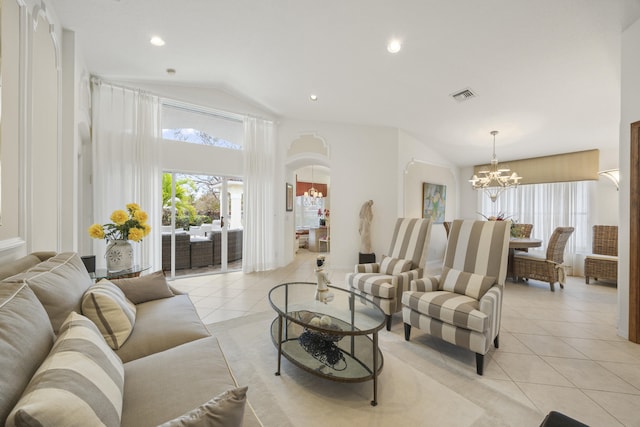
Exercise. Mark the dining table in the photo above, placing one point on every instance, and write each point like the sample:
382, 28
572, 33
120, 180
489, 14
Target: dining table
519, 243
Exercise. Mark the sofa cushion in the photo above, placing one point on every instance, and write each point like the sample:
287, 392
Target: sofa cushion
59, 284
184, 377
224, 410
145, 288
464, 283
162, 324
23, 264
80, 383
394, 266
26, 338
114, 315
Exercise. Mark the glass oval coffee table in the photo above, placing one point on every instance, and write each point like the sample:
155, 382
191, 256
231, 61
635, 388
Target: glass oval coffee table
337, 340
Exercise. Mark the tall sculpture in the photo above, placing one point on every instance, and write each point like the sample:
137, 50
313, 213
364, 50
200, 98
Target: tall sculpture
366, 216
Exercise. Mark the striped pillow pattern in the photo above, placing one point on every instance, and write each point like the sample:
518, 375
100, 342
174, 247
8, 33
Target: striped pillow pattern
394, 266
80, 383
410, 240
114, 315
463, 283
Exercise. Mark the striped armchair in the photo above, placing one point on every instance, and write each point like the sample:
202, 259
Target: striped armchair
384, 282
463, 306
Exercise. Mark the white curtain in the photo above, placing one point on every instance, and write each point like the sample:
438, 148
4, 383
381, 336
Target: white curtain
126, 163
259, 192
548, 206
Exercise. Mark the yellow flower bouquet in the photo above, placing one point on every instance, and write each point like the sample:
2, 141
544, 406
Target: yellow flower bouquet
127, 225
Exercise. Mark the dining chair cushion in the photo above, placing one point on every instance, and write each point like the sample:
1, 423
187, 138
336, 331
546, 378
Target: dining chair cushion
464, 283
448, 307
394, 266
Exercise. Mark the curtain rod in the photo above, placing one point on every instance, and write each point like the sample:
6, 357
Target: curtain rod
181, 104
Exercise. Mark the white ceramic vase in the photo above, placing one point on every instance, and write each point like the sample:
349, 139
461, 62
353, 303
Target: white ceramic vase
119, 255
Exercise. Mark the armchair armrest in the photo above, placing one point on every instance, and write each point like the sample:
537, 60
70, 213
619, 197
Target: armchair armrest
491, 305
373, 267
425, 284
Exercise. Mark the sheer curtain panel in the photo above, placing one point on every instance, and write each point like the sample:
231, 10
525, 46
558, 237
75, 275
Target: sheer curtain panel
259, 193
548, 206
126, 163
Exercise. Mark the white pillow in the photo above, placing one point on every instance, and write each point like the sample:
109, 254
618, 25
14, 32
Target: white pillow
114, 315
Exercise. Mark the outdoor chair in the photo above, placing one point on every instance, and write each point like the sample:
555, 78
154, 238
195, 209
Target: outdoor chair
384, 282
463, 306
547, 269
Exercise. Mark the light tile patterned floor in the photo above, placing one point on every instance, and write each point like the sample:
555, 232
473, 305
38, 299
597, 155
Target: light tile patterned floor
558, 350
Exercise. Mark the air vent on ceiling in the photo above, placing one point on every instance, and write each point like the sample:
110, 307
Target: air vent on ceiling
463, 95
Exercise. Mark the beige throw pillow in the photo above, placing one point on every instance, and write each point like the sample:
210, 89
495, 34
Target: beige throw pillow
145, 288
224, 410
394, 266
114, 315
463, 283
59, 284
80, 383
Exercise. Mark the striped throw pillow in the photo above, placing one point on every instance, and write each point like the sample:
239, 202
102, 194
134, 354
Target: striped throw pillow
114, 315
394, 266
80, 383
463, 283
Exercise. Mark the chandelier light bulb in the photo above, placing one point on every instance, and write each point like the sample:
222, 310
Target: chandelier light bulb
496, 178
394, 46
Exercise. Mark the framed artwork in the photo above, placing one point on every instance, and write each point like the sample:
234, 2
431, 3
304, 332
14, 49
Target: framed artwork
289, 197
434, 201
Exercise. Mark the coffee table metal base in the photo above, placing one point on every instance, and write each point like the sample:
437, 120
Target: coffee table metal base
351, 358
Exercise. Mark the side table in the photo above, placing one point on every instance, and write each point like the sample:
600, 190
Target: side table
103, 273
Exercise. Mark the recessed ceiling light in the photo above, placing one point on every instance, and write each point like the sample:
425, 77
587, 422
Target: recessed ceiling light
313, 97
394, 46
156, 41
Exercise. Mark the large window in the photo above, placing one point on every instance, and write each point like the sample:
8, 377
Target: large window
188, 123
547, 206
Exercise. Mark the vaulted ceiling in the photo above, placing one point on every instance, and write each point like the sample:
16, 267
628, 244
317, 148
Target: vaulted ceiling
545, 73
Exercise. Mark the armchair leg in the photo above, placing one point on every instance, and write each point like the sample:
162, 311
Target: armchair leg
407, 331
496, 341
553, 287
479, 363
388, 322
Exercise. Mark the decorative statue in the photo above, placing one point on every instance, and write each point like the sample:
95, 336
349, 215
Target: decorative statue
366, 216
322, 291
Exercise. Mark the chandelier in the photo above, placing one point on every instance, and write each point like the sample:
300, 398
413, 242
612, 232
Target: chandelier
312, 195
496, 178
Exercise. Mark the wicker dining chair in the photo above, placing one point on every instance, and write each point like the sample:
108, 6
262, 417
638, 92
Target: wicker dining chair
521, 230
548, 269
603, 262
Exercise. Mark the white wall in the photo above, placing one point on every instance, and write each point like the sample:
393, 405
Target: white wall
630, 114
417, 164
32, 205
363, 164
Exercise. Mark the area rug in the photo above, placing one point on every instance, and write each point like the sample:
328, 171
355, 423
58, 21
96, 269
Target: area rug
416, 387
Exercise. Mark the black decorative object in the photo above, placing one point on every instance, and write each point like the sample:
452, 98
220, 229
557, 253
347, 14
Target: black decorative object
321, 346
366, 258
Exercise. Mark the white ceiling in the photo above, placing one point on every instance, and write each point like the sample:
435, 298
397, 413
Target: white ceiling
546, 72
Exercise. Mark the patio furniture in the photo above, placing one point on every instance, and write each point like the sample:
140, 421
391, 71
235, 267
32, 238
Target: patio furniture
183, 251
603, 263
201, 252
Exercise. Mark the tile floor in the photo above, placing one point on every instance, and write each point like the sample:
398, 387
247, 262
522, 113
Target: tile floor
558, 350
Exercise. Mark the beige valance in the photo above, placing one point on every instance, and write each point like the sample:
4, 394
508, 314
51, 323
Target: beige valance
578, 166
